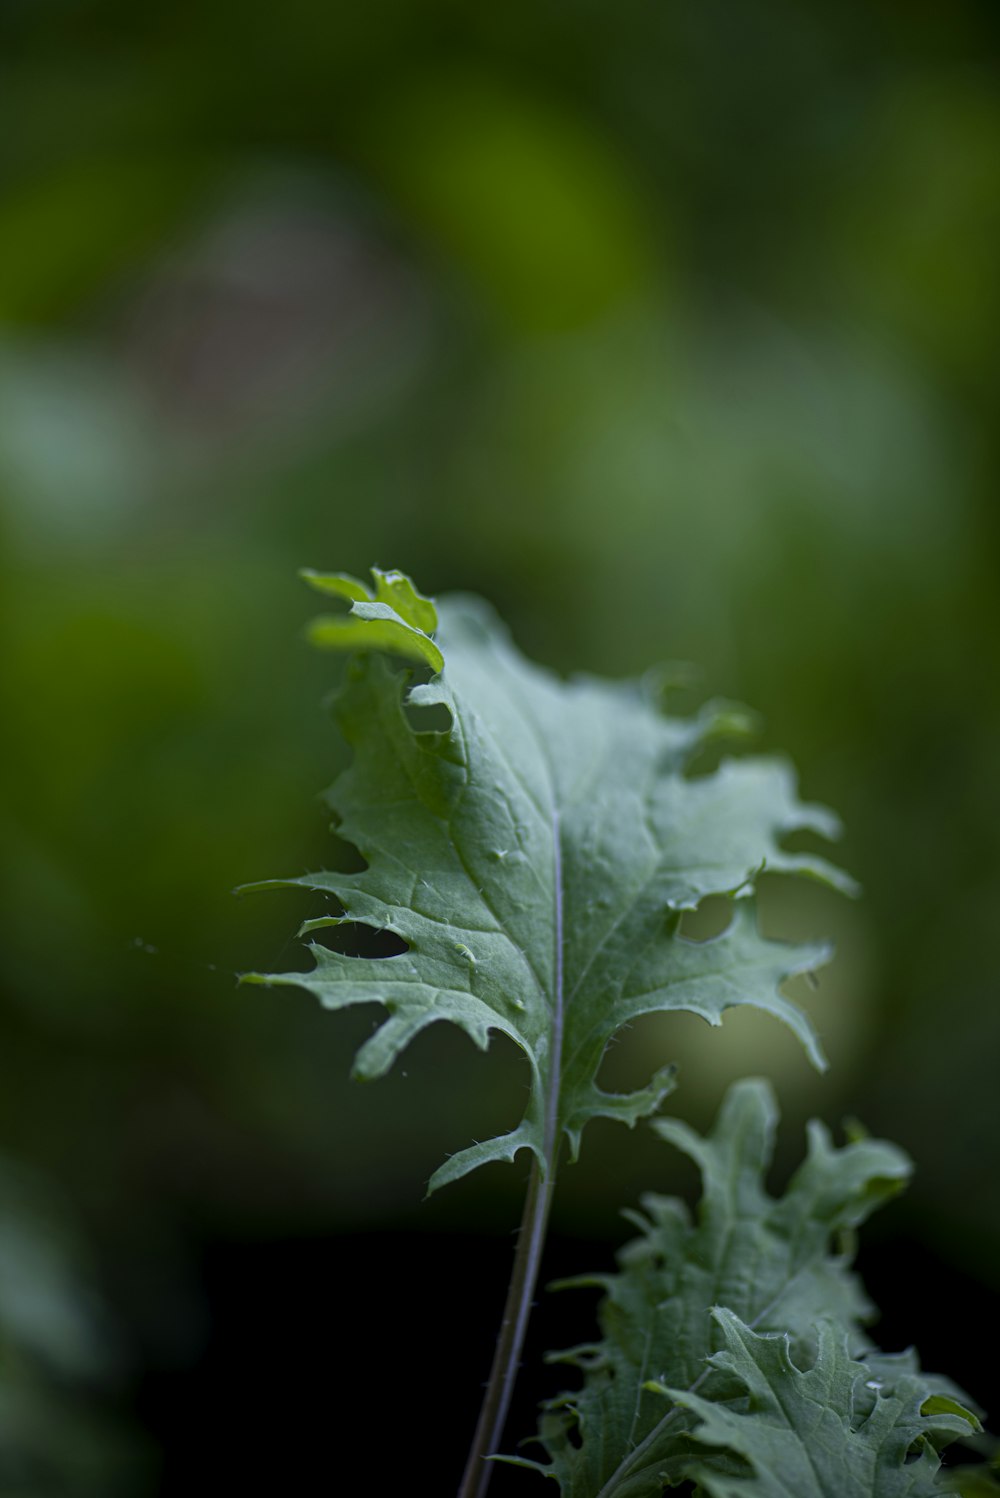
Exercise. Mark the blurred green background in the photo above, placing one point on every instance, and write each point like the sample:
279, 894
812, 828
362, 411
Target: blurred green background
671, 328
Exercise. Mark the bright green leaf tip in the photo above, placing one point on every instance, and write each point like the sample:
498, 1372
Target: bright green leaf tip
943, 1404
393, 617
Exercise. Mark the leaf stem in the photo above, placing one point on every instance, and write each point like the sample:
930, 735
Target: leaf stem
534, 1222
510, 1341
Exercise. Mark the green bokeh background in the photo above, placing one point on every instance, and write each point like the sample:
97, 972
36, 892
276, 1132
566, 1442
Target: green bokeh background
669, 327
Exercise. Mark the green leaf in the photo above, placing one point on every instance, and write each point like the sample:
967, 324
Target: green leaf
536, 858
823, 1431
780, 1264
395, 617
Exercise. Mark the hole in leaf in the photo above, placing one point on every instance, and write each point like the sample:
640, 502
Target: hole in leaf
341, 854
635, 1051
707, 920
707, 758
574, 1435
353, 939
432, 718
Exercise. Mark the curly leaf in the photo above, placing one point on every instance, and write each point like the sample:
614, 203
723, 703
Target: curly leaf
395, 617
780, 1264
821, 1432
536, 857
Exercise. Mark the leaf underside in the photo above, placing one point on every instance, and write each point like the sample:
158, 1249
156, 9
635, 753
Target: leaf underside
536, 857
733, 1349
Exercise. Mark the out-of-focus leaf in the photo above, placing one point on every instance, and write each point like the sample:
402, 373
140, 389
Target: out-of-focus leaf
526, 197
781, 1264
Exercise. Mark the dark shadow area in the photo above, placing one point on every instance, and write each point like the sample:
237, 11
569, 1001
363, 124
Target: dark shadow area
355, 939
377, 1345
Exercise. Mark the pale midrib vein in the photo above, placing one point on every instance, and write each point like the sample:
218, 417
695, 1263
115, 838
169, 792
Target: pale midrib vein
553, 1097
550, 1138
553, 1093
531, 1238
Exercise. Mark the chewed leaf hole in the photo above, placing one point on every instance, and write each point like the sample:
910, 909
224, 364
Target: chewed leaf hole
342, 855
707, 920
353, 939
574, 1435
706, 759
432, 717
